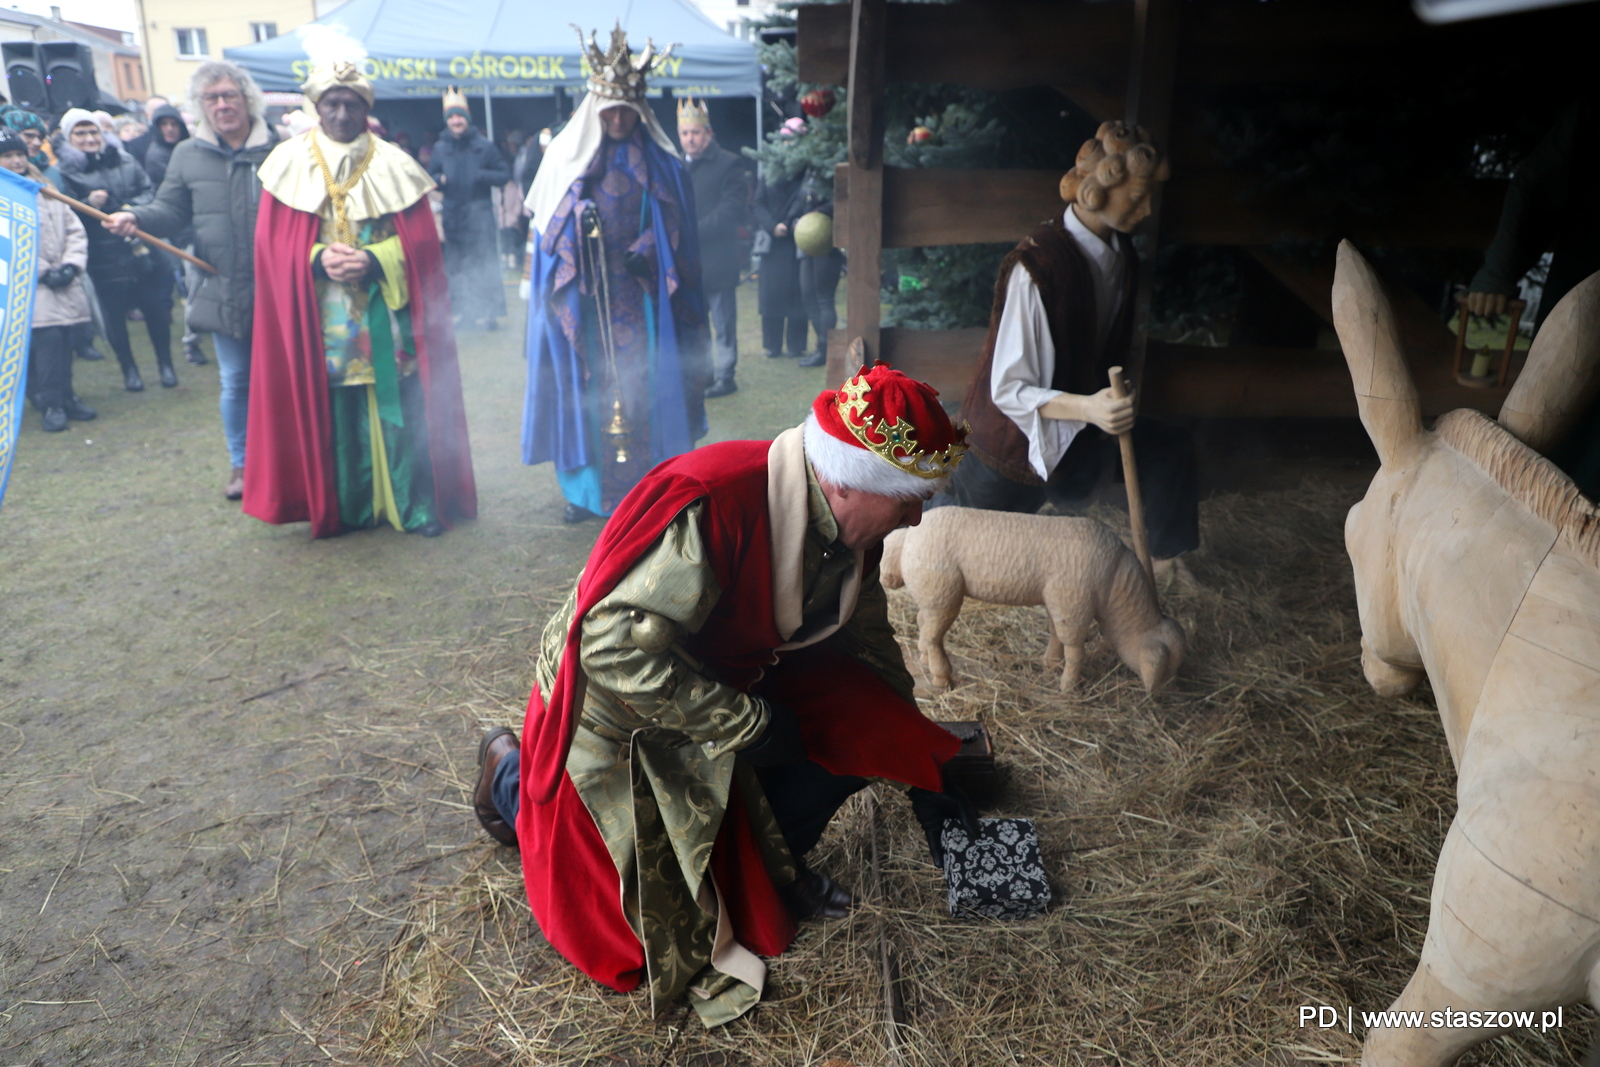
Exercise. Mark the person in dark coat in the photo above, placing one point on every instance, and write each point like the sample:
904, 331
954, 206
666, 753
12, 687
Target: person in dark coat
783, 315
169, 132
99, 173
720, 194
467, 167
211, 191
1551, 206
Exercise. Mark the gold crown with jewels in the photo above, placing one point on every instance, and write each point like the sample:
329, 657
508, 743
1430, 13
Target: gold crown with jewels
692, 112
615, 74
895, 442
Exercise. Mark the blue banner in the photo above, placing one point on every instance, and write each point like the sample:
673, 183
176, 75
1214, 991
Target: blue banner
19, 256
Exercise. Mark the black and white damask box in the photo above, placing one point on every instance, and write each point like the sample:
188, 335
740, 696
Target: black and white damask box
999, 874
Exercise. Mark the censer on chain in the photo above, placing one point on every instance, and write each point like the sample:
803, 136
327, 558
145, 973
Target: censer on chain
618, 434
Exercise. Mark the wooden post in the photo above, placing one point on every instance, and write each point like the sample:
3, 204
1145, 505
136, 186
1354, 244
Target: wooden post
864, 221
1150, 76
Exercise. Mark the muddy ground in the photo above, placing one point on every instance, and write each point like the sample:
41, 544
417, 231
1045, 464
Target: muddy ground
232, 755
212, 777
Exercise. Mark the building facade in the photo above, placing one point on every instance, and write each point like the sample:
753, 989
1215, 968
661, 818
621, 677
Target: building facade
181, 34
118, 66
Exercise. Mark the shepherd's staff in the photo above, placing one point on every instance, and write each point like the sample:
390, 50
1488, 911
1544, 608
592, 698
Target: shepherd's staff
145, 237
1130, 477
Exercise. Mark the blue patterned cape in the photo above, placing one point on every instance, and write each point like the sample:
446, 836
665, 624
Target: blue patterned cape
553, 426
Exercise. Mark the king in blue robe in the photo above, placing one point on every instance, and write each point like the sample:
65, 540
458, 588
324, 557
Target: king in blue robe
605, 410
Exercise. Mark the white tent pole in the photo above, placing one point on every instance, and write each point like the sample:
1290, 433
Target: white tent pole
488, 113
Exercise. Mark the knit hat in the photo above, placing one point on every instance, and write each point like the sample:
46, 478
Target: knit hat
883, 432
17, 118
11, 142
76, 116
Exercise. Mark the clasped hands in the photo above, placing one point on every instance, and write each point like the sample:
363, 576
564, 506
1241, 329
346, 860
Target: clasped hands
1113, 414
345, 264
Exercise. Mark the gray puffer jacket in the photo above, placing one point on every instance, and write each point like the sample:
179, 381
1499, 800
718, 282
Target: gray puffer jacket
217, 191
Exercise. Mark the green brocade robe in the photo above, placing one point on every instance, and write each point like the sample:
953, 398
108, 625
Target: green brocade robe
381, 465
653, 756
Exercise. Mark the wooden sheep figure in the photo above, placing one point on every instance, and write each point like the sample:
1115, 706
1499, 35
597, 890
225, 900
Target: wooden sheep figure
1477, 564
1077, 568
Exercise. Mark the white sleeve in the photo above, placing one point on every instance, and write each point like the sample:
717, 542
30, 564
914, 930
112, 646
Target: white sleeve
1025, 357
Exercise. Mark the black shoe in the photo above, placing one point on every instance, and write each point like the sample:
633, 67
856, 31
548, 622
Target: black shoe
169, 377
55, 420
496, 745
194, 354
774, 355
490, 325
816, 896
721, 387
90, 353
815, 359
131, 380
574, 513
432, 528
78, 411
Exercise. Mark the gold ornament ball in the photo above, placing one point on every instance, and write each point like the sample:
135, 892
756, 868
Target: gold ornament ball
813, 233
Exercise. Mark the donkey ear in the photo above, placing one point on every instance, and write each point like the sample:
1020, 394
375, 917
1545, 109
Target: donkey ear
1385, 393
1559, 381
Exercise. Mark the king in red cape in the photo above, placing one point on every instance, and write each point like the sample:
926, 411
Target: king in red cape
355, 415
721, 679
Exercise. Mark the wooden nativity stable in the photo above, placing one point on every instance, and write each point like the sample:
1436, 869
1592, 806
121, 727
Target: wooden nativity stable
1151, 61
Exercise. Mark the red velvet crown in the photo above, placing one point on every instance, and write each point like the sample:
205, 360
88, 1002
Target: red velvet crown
897, 417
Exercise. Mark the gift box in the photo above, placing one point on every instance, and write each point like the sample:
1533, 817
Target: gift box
999, 874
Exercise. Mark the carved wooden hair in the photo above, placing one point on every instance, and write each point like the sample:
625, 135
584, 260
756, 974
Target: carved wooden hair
1116, 153
1532, 480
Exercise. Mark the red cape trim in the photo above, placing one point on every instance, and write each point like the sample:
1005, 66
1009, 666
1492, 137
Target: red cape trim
288, 442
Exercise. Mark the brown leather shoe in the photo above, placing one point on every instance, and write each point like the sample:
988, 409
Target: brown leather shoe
494, 747
235, 487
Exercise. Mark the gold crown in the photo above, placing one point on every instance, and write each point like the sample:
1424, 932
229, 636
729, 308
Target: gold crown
886, 440
615, 74
692, 112
454, 97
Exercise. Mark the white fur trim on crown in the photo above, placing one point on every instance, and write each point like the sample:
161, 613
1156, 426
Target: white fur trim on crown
854, 467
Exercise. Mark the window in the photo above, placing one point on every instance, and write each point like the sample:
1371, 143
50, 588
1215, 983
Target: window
263, 31
192, 44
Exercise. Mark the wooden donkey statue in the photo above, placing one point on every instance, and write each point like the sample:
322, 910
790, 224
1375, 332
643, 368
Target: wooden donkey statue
1477, 563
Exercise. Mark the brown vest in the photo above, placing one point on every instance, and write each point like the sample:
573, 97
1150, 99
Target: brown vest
1061, 272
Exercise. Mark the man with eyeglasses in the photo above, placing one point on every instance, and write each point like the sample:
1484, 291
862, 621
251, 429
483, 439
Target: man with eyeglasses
211, 184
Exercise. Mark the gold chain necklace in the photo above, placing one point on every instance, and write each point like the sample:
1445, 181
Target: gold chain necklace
338, 192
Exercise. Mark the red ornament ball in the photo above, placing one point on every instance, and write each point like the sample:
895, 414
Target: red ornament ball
818, 102
919, 135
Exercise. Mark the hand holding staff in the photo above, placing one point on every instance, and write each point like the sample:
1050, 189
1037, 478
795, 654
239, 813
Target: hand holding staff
1130, 476
157, 242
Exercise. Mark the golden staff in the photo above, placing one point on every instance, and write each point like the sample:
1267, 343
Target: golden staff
146, 238
592, 247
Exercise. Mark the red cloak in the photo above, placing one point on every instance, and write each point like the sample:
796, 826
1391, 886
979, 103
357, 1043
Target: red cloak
851, 720
288, 444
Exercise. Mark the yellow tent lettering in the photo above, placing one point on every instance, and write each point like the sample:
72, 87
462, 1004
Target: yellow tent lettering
491, 67
555, 67
459, 67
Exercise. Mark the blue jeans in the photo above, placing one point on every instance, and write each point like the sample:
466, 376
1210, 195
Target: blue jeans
507, 787
233, 360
